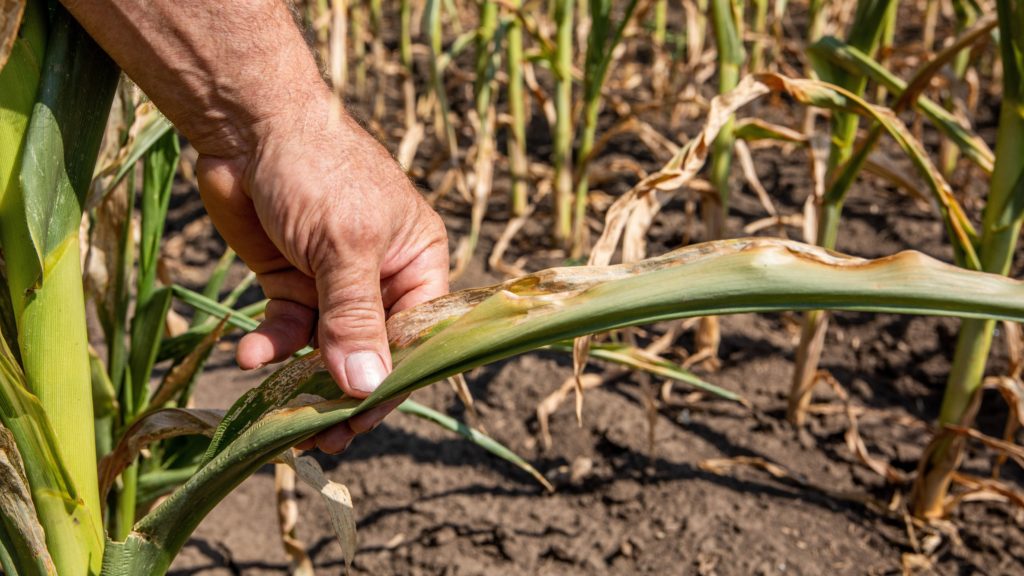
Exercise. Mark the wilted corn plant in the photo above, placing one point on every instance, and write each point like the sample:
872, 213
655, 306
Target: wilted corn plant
864, 35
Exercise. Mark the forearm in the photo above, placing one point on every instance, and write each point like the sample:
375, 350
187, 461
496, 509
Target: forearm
220, 71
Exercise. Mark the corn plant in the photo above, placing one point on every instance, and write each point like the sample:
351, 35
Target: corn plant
865, 34
1001, 224
563, 136
517, 109
602, 41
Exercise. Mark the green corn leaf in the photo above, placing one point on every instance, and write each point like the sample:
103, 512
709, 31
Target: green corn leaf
148, 137
466, 329
214, 308
147, 330
482, 440
215, 283
182, 344
857, 62
160, 164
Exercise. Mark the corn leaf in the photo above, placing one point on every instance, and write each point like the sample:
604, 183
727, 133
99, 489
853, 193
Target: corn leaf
856, 62
336, 498
473, 327
155, 426
639, 360
147, 138
482, 440
147, 330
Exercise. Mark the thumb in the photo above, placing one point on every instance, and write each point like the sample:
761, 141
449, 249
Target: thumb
351, 333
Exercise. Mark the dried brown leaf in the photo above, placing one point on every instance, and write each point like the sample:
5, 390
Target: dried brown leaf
335, 496
16, 506
722, 466
550, 404
159, 425
11, 12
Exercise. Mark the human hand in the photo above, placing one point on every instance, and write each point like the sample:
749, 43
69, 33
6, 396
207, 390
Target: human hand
336, 234
338, 238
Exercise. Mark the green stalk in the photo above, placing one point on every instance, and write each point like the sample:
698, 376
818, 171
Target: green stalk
562, 155
1001, 224
151, 305
357, 26
432, 22
729, 42
405, 37
865, 34
660, 23
760, 32
885, 45
601, 45
41, 220
966, 15
486, 55
817, 20
517, 109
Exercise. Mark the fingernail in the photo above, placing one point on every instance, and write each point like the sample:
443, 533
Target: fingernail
364, 371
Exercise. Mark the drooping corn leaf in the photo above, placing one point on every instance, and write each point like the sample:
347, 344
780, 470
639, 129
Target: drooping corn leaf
685, 165
23, 537
856, 62
157, 425
147, 330
335, 497
466, 329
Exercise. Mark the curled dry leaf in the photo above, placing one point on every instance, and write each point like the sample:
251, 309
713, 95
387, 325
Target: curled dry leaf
337, 498
159, 425
17, 511
550, 404
11, 12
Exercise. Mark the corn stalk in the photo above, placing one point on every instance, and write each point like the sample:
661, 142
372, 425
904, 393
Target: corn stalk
41, 211
865, 34
517, 109
726, 19
1001, 224
601, 44
562, 154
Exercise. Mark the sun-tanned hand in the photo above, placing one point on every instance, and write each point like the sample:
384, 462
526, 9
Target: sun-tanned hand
337, 235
